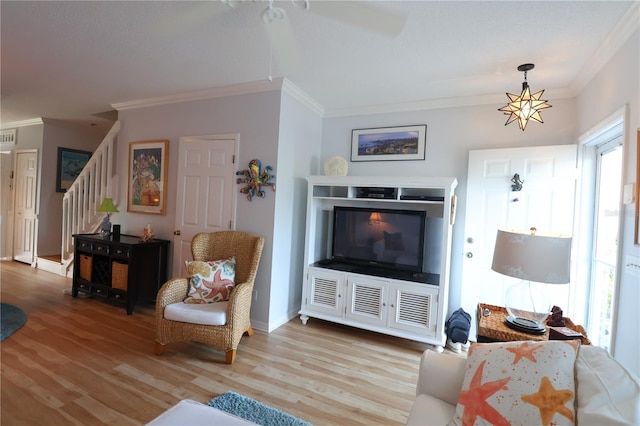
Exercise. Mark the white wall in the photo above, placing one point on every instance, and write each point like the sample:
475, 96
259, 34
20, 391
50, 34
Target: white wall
616, 85
298, 155
255, 117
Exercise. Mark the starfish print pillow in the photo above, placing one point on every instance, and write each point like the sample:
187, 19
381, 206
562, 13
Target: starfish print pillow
210, 281
518, 383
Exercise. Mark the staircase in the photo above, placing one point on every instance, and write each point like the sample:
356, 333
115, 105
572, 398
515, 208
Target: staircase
85, 195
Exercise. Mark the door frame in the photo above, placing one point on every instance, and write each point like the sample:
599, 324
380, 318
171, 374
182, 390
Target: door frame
583, 224
11, 253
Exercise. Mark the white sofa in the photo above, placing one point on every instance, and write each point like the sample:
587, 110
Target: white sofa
606, 393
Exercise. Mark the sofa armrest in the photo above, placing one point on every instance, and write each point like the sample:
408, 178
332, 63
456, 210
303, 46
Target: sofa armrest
441, 376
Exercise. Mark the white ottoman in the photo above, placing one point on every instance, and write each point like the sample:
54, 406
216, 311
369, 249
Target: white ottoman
189, 412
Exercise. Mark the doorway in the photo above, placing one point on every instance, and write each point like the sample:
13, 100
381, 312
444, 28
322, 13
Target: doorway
25, 222
205, 198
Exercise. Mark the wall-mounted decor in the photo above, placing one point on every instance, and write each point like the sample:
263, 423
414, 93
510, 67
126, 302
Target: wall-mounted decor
70, 164
148, 162
254, 179
389, 143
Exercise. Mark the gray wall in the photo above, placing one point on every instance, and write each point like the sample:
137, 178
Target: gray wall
59, 133
256, 118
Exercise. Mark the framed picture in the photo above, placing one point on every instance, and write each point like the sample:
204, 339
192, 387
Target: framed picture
389, 143
70, 164
148, 162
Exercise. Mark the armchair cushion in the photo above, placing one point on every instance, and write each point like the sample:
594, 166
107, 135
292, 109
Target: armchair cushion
210, 281
202, 313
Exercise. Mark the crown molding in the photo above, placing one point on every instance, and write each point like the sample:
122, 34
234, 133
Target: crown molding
467, 101
216, 92
302, 96
22, 123
627, 25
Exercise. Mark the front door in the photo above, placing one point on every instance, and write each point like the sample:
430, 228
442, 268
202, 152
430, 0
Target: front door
25, 222
547, 176
205, 191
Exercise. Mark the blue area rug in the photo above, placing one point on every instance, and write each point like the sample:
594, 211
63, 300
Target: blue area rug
254, 411
11, 319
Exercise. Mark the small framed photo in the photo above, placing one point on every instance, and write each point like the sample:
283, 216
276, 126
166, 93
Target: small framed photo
70, 164
147, 183
389, 143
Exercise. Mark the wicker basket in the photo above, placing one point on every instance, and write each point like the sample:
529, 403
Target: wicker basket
493, 327
86, 263
119, 275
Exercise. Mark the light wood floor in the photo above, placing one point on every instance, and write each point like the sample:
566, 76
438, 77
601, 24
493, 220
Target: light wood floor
83, 361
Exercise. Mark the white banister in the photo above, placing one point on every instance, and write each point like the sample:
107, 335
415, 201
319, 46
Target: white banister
86, 193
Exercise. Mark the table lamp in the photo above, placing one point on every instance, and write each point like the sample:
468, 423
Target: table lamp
108, 208
538, 260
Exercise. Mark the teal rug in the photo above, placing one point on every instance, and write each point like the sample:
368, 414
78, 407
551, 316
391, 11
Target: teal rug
254, 411
11, 319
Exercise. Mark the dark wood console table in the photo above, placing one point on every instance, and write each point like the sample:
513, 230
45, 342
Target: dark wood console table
125, 270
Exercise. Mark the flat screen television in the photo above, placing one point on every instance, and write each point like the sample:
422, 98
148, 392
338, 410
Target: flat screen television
379, 237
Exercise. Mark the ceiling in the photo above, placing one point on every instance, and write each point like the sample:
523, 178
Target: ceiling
73, 60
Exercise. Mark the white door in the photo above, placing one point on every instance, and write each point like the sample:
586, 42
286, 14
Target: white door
545, 201
205, 191
24, 225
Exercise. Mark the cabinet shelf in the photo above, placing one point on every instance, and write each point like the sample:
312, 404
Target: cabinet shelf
398, 305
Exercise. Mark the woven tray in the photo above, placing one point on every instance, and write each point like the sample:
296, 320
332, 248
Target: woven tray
119, 275
86, 262
493, 327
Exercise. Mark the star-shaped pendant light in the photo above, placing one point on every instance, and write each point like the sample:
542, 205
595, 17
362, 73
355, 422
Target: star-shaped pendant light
526, 106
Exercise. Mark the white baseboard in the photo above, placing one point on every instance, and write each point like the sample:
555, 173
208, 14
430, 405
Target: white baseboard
50, 266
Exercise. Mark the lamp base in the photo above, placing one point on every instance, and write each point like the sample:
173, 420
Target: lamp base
525, 325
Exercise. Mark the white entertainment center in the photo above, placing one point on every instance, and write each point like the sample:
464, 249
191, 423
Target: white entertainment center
407, 304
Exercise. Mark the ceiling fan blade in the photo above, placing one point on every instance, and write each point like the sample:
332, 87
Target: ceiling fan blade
192, 15
361, 15
285, 48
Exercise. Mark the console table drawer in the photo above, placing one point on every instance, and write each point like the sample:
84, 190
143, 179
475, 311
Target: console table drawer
120, 252
101, 248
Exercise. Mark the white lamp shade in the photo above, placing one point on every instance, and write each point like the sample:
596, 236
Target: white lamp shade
538, 258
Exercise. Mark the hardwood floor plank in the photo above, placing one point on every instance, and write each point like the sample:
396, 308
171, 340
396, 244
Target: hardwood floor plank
84, 361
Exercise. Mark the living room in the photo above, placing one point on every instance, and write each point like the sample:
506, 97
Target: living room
284, 129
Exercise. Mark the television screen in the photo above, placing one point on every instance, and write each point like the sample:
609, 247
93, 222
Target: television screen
382, 237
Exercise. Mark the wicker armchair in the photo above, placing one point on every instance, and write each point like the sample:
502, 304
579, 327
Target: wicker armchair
247, 248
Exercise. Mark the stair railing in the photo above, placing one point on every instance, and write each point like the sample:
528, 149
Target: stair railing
86, 193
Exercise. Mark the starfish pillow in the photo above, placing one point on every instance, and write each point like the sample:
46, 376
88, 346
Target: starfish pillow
526, 383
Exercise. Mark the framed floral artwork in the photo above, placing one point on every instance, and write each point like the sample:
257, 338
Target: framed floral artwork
148, 177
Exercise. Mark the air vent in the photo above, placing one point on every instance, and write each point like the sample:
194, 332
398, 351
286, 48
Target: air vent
414, 309
366, 300
324, 292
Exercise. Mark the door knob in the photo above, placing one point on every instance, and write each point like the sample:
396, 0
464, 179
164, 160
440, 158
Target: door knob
469, 254
176, 232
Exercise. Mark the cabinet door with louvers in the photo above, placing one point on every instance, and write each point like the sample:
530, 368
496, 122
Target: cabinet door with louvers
367, 300
325, 292
413, 308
